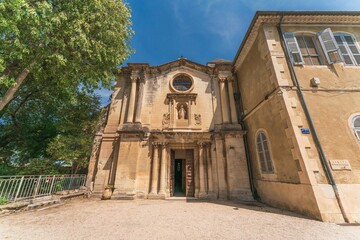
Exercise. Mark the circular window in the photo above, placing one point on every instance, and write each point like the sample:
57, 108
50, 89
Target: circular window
182, 83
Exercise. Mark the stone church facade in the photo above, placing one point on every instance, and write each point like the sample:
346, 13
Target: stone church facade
281, 123
173, 130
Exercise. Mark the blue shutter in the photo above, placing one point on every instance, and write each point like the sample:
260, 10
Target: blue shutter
329, 45
293, 48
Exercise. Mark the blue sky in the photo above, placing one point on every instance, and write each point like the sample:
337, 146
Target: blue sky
203, 30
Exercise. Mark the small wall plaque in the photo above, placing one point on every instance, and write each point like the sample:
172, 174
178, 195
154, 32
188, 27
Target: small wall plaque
305, 131
340, 165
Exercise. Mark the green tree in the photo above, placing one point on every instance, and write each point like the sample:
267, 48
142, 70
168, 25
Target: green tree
73, 144
64, 42
45, 126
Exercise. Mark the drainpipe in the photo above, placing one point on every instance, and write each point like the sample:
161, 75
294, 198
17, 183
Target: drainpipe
311, 124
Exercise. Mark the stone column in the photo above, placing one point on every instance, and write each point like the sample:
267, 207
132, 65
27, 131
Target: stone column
232, 101
224, 102
139, 101
130, 115
189, 112
173, 115
202, 190
196, 172
209, 168
155, 170
163, 169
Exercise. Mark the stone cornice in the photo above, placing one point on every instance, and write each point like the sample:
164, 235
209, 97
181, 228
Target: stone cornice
164, 67
182, 96
330, 18
179, 137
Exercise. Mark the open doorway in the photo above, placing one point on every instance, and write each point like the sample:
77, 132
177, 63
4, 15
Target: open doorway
182, 183
179, 178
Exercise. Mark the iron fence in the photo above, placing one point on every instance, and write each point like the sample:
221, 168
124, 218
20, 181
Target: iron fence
16, 188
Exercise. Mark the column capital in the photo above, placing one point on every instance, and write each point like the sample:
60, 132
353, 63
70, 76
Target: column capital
134, 78
156, 144
222, 79
164, 144
224, 76
230, 79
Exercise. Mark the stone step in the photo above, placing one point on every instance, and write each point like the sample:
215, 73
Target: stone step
43, 204
182, 199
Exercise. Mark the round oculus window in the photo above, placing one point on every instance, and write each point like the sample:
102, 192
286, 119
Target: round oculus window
182, 83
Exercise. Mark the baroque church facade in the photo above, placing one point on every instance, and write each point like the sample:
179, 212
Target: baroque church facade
280, 123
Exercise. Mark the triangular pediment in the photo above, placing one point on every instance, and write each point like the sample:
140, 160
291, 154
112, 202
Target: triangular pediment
212, 67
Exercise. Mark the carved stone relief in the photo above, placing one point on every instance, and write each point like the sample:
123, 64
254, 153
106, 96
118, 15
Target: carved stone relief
197, 118
166, 119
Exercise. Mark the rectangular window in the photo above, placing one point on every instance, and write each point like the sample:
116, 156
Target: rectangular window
303, 49
308, 50
348, 48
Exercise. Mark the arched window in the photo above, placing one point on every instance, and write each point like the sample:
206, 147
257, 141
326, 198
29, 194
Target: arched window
264, 152
356, 126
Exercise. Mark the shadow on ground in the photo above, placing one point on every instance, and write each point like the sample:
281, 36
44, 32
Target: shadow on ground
249, 205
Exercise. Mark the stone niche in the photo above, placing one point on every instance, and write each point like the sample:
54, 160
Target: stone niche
179, 115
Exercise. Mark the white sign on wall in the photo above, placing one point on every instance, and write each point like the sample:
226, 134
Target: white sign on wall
340, 165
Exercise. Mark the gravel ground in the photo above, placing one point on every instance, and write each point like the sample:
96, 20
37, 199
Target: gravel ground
159, 219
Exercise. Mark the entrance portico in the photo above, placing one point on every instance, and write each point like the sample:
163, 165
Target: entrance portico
185, 165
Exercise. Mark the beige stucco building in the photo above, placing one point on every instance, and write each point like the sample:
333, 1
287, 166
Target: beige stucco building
281, 123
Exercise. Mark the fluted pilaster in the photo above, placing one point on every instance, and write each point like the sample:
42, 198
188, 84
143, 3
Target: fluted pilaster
130, 115
139, 101
224, 100
155, 169
164, 155
232, 101
209, 168
202, 187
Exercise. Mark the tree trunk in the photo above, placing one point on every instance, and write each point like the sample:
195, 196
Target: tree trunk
9, 95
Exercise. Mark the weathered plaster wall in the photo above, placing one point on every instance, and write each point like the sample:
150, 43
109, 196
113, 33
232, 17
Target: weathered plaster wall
280, 115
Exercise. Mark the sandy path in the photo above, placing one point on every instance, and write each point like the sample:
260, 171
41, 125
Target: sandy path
150, 219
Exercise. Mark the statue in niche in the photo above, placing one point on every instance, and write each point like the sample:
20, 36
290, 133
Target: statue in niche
182, 113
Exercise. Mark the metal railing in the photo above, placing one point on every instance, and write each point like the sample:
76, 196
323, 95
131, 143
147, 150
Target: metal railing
23, 187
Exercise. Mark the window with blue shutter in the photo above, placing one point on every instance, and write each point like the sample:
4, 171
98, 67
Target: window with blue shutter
293, 48
330, 46
308, 49
349, 48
